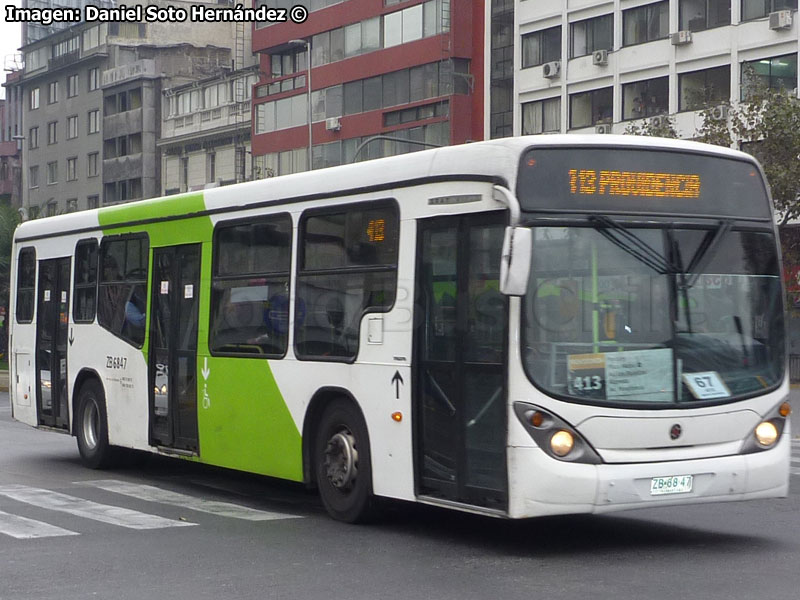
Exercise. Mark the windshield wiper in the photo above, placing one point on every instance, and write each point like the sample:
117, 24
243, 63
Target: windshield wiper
628, 241
705, 252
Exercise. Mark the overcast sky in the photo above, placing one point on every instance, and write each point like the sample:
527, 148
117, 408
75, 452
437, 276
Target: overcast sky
10, 35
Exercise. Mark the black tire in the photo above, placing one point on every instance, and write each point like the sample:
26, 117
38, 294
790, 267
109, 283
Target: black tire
91, 424
342, 463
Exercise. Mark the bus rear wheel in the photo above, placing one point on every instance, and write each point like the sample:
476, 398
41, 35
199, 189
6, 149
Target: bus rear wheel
342, 463
92, 427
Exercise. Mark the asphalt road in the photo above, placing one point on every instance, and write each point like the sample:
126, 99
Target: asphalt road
171, 530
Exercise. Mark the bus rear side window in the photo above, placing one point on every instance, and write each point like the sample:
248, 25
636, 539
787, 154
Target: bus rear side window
348, 267
84, 305
122, 297
250, 289
26, 285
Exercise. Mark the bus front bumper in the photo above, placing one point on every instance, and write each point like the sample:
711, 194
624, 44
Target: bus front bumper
540, 485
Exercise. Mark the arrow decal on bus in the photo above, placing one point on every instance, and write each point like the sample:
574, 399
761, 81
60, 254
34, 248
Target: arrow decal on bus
205, 371
397, 380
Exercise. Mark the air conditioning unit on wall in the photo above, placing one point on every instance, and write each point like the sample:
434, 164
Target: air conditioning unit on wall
780, 19
718, 113
551, 70
679, 38
604, 128
658, 121
333, 124
600, 57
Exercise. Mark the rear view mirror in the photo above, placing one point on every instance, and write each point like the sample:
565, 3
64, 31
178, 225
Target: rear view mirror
515, 263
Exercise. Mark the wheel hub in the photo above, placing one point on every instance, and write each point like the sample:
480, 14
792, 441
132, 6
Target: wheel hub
90, 417
341, 460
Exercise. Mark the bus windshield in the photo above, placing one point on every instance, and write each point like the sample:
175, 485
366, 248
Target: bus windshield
655, 314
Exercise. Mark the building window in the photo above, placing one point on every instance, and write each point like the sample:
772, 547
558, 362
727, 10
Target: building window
92, 202
72, 86
184, 174
348, 267
645, 98
645, 23
33, 103
52, 132
540, 47
122, 300
779, 72
33, 138
72, 169
72, 205
590, 108
541, 116
211, 167
757, 9
250, 287
91, 164
33, 177
94, 121
51, 209
26, 285
697, 15
52, 92
591, 34
72, 127
52, 172
94, 79
84, 306
698, 89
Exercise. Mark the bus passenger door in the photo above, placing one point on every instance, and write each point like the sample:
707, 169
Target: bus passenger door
173, 347
52, 325
460, 358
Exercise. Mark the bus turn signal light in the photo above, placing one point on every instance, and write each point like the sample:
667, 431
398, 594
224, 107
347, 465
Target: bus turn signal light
537, 418
785, 410
397, 416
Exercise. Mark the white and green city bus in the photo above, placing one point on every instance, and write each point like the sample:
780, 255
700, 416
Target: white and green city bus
522, 327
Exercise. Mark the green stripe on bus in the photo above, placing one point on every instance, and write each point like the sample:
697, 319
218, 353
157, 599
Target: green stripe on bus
243, 421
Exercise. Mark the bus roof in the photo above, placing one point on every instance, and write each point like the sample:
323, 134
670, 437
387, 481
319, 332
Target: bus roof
495, 160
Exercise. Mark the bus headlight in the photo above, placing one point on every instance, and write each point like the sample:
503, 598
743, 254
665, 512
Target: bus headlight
766, 433
554, 435
562, 442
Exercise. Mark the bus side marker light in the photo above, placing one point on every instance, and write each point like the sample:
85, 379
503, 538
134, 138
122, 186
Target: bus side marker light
785, 410
397, 416
767, 433
562, 442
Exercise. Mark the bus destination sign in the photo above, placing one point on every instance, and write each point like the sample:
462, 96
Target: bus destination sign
633, 183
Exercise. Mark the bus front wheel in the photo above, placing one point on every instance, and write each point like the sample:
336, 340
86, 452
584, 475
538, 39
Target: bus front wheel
342, 461
92, 427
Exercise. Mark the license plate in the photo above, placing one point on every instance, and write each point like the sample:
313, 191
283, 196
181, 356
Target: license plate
676, 484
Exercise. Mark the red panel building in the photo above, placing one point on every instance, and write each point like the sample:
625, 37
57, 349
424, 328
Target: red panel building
410, 70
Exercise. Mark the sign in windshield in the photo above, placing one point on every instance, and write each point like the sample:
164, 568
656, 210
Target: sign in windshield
635, 180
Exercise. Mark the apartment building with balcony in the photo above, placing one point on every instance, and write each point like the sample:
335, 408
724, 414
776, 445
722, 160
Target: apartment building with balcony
595, 66
410, 70
92, 106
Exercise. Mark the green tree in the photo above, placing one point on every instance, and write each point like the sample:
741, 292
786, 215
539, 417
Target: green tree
9, 219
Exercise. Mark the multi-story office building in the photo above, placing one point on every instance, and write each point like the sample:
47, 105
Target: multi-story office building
205, 133
410, 70
597, 65
92, 106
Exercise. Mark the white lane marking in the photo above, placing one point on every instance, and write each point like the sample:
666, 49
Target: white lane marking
87, 509
156, 494
24, 528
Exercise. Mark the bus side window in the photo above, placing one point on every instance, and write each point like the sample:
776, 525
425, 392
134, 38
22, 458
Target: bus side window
84, 305
26, 285
250, 287
348, 266
121, 305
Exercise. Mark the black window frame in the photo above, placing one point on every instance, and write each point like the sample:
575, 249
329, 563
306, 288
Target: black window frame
90, 284
647, 10
24, 253
772, 79
540, 38
769, 6
593, 45
649, 109
701, 22
301, 272
595, 101
269, 275
708, 98
103, 284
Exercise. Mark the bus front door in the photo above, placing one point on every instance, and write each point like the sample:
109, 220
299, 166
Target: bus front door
460, 358
52, 325
173, 347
